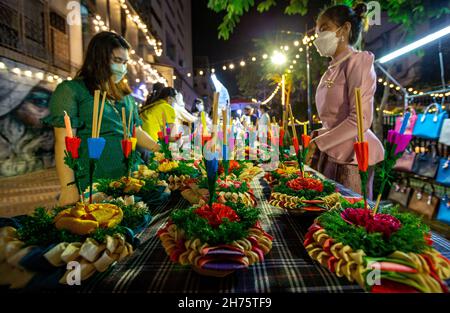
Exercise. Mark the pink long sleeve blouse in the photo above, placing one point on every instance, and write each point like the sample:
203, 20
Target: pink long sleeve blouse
335, 101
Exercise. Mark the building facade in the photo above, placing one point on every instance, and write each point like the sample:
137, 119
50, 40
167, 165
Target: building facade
42, 42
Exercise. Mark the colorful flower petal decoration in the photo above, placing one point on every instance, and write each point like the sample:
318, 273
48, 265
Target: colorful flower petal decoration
389, 252
215, 240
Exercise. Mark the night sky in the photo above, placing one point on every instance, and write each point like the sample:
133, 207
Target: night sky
256, 25
252, 25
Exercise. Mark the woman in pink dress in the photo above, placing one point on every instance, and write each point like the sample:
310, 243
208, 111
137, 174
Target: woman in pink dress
339, 29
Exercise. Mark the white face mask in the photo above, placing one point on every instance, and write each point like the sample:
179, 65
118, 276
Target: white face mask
200, 107
118, 71
326, 43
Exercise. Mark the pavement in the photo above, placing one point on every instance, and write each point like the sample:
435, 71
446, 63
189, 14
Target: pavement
22, 194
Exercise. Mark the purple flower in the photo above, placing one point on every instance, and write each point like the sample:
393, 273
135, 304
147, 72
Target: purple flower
402, 141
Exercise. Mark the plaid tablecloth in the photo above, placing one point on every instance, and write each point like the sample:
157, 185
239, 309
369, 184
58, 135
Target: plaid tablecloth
287, 268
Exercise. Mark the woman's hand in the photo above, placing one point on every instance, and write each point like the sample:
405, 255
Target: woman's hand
69, 195
312, 148
145, 141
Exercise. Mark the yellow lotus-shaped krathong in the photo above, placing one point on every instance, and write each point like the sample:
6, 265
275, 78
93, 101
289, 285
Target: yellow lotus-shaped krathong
83, 219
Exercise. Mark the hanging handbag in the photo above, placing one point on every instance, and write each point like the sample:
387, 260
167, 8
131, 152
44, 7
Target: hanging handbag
428, 125
411, 122
443, 175
444, 210
400, 192
444, 137
406, 162
424, 203
426, 164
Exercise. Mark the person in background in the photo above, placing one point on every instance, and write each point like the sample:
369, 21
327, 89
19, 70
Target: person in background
104, 68
249, 118
264, 119
158, 105
339, 29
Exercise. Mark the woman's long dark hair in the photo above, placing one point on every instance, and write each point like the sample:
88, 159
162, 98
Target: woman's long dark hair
159, 92
96, 69
340, 14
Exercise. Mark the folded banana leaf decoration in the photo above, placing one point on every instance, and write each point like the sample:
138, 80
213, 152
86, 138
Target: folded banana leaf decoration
212, 165
95, 150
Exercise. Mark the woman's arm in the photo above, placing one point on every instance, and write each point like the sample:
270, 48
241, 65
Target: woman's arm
145, 141
360, 74
69, 194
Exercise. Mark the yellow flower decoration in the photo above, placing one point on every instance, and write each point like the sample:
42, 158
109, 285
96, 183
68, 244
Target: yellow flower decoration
167, 166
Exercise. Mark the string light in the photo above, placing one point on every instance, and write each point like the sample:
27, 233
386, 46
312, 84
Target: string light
242, 63
224, 68
272, 95
231, 66
213, 70
201, 73
296, 43
265, 56
188, 74
253, 59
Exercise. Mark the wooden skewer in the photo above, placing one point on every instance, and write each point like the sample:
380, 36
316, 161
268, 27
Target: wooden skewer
294, 131
124, 123
129, 122
95, 113
101, 114
359, 115
224, 126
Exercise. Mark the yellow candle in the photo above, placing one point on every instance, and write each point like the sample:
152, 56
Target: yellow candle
224, 126
68, 125
203, 122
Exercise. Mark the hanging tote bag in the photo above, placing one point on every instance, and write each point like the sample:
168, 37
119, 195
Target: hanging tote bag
444, 137
406, 162
411, 122
443, 175
429, 124
444, 210
400, 192
424, 203
426, 164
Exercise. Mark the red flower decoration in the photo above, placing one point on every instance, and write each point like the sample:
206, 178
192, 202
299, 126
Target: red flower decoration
126, 147
217, 213
378, 223
362, 155
72, 145
307, 183
160, 135
305, 140
295, 143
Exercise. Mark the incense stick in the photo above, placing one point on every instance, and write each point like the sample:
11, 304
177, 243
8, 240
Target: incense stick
124, 123
101, 114
95, 113
294, 131
129, 122
359, 115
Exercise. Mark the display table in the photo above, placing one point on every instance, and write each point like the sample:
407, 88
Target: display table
287, 268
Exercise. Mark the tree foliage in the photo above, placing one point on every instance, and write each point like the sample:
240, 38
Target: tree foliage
402, 12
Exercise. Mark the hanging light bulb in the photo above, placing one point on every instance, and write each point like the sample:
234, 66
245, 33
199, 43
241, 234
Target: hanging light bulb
265, 56
231, 66
213, 70
296, 43
253, 59
242, 63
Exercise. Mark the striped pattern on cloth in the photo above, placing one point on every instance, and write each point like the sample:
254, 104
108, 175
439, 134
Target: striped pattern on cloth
287, 268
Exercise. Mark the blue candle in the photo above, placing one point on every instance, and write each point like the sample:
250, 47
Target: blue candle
405, 122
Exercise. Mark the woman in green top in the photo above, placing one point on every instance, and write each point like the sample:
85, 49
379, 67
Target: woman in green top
104, 68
